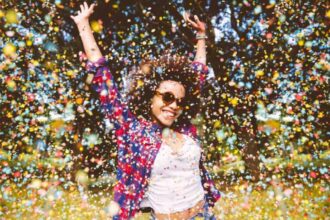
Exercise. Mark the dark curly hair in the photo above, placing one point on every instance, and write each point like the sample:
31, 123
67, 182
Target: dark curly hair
145, 79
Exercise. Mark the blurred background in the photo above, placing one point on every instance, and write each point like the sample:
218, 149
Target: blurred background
264, 120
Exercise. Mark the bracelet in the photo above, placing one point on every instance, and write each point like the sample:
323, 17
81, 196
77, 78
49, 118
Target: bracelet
201, 36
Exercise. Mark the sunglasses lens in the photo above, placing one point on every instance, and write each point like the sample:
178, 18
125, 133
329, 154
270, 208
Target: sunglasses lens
168, 98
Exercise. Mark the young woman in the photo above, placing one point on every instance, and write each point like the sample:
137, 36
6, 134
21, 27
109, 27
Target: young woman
160, 162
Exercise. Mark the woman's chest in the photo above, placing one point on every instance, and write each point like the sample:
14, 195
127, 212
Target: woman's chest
185, 159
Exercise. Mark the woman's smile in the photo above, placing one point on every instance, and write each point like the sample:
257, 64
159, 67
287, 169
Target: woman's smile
169, 114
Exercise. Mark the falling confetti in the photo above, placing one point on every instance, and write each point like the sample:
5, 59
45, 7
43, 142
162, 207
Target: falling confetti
263, 121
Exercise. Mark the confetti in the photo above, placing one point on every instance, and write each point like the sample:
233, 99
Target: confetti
263, 121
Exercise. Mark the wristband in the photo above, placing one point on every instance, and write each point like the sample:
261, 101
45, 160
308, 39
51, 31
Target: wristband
201, 36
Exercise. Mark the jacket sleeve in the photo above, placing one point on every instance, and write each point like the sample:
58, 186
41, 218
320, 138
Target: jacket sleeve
212, 194
113, 106
201, 70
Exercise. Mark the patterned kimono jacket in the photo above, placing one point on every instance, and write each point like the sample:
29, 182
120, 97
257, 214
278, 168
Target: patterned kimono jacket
138, 142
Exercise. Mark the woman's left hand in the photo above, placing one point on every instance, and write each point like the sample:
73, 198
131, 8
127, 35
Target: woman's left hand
198, 25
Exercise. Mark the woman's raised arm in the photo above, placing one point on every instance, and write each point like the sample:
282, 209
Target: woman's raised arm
200, 28
82, 21
199, 64
114, 107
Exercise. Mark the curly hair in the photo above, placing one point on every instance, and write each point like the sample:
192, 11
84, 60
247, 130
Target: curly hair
144, 80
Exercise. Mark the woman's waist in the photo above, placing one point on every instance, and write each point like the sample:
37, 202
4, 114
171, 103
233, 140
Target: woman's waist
172, 202
185, 214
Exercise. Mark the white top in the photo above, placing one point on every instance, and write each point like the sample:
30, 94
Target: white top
175, 184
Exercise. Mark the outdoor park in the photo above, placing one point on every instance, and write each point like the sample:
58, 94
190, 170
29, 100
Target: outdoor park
263, 123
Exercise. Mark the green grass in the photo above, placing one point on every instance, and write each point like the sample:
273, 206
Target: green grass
277, 200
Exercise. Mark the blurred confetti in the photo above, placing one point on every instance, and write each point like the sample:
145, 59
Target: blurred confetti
264, 120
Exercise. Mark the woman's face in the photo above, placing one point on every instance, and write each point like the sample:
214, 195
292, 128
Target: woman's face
162, 113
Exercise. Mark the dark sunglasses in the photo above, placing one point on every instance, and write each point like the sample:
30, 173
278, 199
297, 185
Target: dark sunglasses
168, 98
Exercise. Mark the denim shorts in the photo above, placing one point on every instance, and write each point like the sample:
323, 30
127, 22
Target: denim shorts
204, 215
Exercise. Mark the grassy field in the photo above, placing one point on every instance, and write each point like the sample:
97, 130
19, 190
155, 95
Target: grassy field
277, 200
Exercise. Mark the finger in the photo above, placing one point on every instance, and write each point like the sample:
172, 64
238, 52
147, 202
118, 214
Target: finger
199, 22
86, 5
92, 7
196, 18
192, 22
185, 15
82, 8
73, 17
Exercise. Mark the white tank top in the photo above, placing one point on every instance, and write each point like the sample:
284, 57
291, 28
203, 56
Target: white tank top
175, 183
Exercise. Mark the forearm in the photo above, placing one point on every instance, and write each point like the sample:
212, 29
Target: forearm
201, 51
90, 46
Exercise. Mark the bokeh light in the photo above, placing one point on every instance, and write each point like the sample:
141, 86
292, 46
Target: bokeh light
264, 123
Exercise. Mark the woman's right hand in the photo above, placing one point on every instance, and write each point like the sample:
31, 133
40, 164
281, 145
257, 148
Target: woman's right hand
84, 13
198, 25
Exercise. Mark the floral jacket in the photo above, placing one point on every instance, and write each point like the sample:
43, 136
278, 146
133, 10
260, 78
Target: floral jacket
138, 142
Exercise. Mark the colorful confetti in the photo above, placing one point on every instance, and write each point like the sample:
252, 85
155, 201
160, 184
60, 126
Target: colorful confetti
264, 120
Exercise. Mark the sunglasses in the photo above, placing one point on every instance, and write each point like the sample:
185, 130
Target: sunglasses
168, 98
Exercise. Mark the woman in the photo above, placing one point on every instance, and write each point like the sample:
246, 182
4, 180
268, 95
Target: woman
159, 158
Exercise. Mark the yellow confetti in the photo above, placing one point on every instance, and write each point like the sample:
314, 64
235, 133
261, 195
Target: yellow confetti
29, 43
11, 85
57, 124
259, 73
217, 124
69, 73
320, 115
140, 83
233, 101
11, 17
96, 26
273, 124
301, 42
327, 14
9, 50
